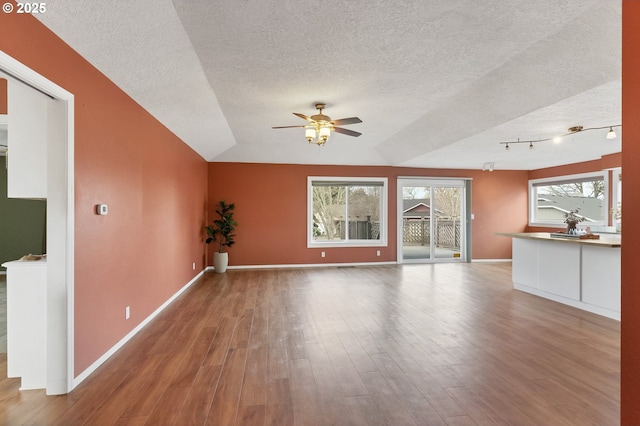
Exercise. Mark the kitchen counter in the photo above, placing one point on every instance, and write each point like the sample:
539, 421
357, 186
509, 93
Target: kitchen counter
581, 273
546, 236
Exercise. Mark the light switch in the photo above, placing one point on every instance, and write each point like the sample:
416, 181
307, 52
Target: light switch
102, 209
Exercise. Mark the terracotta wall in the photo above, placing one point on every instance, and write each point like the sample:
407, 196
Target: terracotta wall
3, 96
271, 209
142, 252
630, 354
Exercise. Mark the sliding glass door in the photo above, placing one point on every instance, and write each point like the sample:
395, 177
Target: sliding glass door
431, 220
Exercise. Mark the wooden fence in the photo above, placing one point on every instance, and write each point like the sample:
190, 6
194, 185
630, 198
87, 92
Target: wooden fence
360, 230
447, 233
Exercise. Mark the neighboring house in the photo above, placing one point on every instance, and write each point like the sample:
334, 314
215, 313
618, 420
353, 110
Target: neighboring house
419, 208
553, 207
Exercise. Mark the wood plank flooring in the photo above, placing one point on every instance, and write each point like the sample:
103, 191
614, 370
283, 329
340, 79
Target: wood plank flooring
444, 344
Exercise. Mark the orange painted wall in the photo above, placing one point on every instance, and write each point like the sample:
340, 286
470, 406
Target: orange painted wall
3, 96
271, 209
630, 352
142, 252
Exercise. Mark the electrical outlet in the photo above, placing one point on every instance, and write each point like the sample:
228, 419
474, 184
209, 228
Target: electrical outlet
127, 312
194, 266
322, 254
378, 253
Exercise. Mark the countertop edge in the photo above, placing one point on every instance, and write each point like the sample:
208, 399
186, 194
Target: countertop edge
545, 236
24, 263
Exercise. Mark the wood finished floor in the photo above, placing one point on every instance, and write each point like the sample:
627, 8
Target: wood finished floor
445, 344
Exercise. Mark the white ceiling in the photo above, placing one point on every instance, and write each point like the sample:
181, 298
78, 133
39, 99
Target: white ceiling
436, 83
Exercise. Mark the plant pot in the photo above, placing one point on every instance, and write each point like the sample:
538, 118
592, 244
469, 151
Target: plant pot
220, 262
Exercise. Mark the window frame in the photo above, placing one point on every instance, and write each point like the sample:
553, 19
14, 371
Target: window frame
384, 208
533, 205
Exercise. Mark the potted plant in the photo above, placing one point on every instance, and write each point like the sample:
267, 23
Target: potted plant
571, 218
221, 232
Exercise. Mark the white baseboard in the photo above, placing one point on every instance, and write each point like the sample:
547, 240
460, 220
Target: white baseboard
307, 265
86, 373
489, 260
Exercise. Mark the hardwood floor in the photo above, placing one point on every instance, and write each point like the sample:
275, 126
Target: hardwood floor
445, 344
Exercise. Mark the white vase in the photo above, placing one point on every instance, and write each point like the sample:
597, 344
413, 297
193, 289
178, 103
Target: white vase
220, 261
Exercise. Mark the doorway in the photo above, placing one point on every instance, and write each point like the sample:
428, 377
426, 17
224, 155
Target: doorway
60, 220
431, 220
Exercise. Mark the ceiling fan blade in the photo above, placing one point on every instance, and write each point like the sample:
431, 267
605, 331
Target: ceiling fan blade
343, 121
286, 127
346, 131
304, 117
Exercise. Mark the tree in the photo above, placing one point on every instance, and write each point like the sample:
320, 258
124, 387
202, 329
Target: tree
364, 201
329, 204
447, 200
592, 189
411, 192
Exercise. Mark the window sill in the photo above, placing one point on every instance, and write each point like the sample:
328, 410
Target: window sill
347, 244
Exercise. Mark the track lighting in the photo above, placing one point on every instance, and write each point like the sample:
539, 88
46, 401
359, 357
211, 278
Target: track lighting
611, 134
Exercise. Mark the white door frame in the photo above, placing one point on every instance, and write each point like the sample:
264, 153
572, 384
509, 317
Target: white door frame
431, 182
60, 231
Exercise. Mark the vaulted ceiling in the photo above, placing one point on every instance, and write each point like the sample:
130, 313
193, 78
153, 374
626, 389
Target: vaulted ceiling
436, 83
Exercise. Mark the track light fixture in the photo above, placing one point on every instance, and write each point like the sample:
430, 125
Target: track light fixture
611, 134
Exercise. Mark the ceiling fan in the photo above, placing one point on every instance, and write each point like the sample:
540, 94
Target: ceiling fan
319, 126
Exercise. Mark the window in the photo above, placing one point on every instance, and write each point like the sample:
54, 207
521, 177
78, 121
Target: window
550, 199
616, 197
347, 212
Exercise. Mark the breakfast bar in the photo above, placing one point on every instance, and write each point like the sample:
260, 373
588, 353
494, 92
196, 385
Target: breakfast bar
583, 273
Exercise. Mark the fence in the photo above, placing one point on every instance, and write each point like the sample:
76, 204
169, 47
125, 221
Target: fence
447, 233
360, 230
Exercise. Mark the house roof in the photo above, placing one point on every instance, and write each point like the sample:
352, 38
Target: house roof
411, 204
436, 84
418, 207
591, 208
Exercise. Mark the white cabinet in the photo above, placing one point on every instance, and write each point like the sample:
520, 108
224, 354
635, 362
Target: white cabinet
26, 322
581, 273
27, 141
559, 269
601, 277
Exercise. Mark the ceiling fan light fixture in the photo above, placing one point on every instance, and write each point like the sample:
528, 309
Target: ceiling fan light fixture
319, 126
310, 133
611, 134
324, 133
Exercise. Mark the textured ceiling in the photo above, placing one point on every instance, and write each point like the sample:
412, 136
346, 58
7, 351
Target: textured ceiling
437, 84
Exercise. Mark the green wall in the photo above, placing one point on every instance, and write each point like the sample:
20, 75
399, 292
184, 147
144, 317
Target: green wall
21, 223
